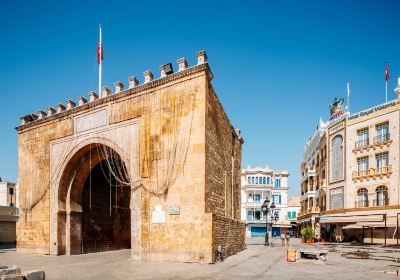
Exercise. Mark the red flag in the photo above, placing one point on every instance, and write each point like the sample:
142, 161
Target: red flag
387, 72
100, 53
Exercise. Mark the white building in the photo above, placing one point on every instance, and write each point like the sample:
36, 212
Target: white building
257, 184
8, 194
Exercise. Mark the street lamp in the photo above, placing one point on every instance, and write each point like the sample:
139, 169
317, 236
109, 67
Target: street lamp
266, 209
276, 217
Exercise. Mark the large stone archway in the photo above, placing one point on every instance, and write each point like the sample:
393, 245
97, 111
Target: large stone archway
72, 160
71, 215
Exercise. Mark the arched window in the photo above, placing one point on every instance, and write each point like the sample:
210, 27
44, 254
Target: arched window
277, 182
248, 179
362, 198
268, 181
381, 196
252, 180
337, 158
256, 180
264, 180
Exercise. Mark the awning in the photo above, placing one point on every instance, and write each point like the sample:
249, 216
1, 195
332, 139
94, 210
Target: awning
352, 226
350, 219
8, 218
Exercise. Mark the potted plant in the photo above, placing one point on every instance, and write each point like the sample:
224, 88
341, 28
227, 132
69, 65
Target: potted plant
307, 234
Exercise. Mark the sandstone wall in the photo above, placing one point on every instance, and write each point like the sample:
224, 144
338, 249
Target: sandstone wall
223, 163
228, 233
186, 236
33, 227
191, 235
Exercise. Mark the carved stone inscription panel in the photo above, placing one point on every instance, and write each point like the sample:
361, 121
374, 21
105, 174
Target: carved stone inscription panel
91, 121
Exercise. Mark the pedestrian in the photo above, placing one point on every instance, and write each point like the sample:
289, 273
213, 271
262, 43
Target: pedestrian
283, 238
287, 238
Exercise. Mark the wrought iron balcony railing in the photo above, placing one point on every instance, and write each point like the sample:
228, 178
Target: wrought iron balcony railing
361, 204
362, 143
381, 138
381, 202
372, 172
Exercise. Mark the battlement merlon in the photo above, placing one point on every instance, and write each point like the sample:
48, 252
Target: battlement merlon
166, 75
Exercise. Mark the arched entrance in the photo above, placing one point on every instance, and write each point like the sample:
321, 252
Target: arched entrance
105, 212
94, 202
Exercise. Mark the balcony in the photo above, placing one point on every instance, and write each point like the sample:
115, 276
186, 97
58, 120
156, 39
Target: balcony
379, 140
307, 195
309, 173
372, 173
381, 202
312, 210
362, 143
382, 139
251, 203
361, 204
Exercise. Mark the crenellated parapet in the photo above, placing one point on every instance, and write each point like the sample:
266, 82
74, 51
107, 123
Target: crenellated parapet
166, 71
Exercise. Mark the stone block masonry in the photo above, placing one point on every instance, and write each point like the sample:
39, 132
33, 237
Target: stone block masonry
174, 144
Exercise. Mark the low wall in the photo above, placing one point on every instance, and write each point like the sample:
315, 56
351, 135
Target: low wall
228, 233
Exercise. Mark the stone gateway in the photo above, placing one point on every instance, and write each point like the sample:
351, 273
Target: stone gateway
154, 168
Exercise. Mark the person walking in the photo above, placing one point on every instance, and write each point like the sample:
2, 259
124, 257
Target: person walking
287, 238
283, 238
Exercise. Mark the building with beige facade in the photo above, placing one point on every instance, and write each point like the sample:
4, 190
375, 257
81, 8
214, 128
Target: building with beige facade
361, 186
154, 167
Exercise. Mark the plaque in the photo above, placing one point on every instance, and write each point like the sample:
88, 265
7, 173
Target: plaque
174, 210
158, 215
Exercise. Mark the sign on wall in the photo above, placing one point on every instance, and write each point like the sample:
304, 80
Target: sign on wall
158, 215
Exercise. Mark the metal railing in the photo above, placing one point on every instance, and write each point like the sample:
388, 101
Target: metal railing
370, 172
381, 202
362, 143
381, 138
361, 204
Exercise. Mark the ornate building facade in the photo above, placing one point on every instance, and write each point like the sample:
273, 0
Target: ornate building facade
361, 190
257, 184
154, 168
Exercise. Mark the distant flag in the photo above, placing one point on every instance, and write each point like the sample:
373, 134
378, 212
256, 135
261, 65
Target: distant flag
387, 78
387, 72
100, 55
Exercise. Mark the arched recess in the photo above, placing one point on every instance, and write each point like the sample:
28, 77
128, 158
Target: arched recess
75, 172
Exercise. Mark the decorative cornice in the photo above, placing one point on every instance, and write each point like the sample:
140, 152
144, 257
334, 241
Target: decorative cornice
137, 91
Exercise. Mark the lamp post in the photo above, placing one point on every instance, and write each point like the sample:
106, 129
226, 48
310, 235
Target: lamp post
266, 209
276, 217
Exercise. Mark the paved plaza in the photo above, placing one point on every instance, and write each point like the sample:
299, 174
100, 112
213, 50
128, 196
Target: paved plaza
256, 262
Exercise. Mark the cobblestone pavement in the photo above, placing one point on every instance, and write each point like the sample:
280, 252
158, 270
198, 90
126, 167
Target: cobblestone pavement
256, 262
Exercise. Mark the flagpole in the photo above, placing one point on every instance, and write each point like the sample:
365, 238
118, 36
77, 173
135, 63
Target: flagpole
386, 78
386, 92
348, 96
100, 62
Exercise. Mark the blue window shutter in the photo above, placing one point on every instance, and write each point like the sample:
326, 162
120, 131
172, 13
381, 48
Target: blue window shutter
279, 199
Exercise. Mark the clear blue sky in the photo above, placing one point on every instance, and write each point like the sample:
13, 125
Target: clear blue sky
276, 64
